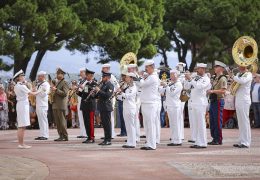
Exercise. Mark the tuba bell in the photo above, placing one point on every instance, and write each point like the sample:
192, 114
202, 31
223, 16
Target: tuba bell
128, 58
244, 53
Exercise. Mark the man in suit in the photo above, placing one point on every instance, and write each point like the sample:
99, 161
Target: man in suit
88, 106
60, 104
104, 94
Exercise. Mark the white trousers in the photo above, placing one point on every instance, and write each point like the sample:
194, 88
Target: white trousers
182, 120
242, 110
43, 121
158, 123
192, 123
137, 121
150, 117
199, 112
81, 120
174, 114
130, 119
113, 133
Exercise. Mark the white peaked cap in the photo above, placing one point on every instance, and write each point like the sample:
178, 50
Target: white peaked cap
182, 64
131, 65
106, 65
148, 62
131, 74
18, 73
41, 73
218, 63
175, 71
201, 65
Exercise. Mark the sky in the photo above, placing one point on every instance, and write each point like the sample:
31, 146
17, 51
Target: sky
72, 62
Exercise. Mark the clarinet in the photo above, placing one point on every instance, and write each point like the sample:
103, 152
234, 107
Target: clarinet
93, 91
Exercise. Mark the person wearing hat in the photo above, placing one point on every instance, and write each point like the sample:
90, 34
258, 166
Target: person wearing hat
255, 94
43, 89
81, 84
199, 102
113, 80
132, 68
128, 96
173, 106
216, 96
22, 107
149, 103
88, 105
59, 105
104, 94
242, 104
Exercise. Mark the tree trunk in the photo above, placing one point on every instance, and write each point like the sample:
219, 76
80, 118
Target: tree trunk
165, 59
37, 63
21, 64
193, 57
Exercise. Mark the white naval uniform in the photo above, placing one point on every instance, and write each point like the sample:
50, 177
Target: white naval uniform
173, 108
158, 113
138, 105
149, 103
199, 102
129, 113
80, 115
22, 106
242, 104
116, 86
42, 108
182, 79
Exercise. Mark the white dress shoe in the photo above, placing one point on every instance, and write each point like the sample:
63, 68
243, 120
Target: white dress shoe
24, 147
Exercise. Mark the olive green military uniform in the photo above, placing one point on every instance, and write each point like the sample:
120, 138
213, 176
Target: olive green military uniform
59, 106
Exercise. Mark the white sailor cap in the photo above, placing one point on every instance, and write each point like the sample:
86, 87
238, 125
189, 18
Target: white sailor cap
201, 65
106, 65
181, 64
175, 71
41, 73
131, 74
18, 74
131, 65
124, 72
82, 69
218, 63
148, 62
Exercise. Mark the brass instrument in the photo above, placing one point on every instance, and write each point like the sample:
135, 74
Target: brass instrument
244, 53
128, 58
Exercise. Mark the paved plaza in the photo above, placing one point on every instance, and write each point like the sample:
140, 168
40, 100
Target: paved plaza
74, 160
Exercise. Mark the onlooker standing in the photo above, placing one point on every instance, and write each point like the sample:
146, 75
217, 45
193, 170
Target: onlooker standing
11, 97
255, 92
73, 102
3, 109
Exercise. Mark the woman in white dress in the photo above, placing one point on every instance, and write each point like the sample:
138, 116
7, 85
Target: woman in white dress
22, 107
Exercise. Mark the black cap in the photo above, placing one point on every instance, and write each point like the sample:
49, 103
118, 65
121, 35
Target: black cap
89, 72
105, 74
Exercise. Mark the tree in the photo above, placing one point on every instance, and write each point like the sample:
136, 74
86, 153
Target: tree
119, 26
27, 26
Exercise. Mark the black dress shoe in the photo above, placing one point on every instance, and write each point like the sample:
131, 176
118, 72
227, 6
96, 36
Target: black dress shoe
81, 137
200, 147
86, 141
143, 136
173, 144
65, 139
43, 138
243, 146
59, 139
126, 146
149, 148
194, 146
191, 141
213, 143
90, 141
121, 135
38, 138
143, 148
236, 145
106, 143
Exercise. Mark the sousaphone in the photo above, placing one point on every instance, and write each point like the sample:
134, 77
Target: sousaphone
128, 58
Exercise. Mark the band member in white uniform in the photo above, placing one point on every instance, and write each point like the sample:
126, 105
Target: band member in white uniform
42, 89
133, 68
181, 67
199, 86
173, 106
242, 104
22, 107
149, 104
106, 69
158, 112
81, 85
129, 109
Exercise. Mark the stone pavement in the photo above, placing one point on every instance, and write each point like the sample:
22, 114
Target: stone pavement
74, 160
